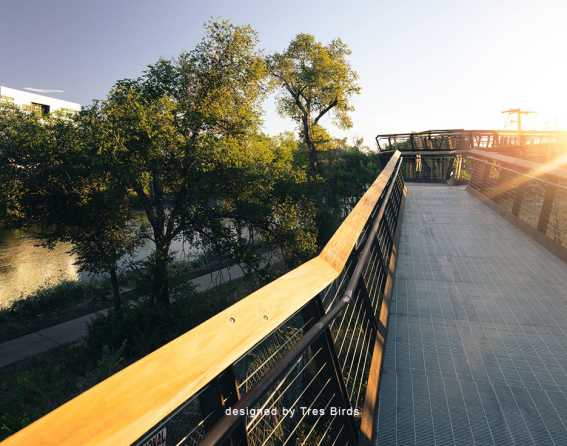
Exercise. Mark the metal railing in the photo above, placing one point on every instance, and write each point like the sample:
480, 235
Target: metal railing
296, 362
534, 195
441, 155
461, 139
434, 166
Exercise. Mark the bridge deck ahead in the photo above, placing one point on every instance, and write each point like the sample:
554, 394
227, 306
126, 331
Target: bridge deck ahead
477, 343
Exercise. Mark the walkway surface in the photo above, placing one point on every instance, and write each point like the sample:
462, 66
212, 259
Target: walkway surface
41, 341
477, 343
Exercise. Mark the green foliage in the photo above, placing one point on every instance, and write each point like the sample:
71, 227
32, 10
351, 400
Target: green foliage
344, 176
324, 141
142, 327
33, 389
110, 362
20, 133
182, 142
264, 201
49, 299
39, 390
30, 390
50, 305
64, 191
169, 132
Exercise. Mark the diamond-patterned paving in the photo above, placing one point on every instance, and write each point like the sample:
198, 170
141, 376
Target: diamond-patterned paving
477, 342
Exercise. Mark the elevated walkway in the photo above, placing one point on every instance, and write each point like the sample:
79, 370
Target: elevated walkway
477, 344
449, 328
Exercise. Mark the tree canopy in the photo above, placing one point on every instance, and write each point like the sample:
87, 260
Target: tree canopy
167, 130
314, 79
182, 143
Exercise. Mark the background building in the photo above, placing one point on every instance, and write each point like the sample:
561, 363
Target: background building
37, 103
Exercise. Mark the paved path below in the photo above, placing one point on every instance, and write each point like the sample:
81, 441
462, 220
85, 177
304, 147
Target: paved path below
477, 343
74, 330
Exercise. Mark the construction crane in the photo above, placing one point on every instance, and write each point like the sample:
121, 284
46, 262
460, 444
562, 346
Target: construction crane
518, 112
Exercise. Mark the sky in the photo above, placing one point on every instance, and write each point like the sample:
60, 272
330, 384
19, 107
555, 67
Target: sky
424, 64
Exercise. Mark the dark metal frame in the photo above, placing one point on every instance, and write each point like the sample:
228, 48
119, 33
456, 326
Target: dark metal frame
432, 166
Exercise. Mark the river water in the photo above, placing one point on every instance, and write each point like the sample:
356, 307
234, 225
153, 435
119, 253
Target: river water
25, 267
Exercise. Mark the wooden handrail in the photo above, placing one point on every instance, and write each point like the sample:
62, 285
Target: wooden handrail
123, 407
427, 152
526, 167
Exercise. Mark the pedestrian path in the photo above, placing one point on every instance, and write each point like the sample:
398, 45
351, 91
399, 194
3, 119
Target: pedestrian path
65, 333
477, 342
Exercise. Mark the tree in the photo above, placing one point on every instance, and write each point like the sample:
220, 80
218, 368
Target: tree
20, 133
164, 133
65, 193
314, 80
265, 204
104, 230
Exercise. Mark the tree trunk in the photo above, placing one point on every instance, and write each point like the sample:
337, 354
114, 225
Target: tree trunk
116, 299
313, 162
160, 288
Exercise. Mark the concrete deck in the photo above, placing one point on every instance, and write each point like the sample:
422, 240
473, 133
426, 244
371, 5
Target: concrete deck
477, 343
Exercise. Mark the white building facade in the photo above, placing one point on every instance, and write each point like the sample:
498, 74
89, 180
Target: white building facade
37, 103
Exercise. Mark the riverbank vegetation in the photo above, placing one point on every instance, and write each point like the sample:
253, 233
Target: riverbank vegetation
183, 142
30, 389
54, 304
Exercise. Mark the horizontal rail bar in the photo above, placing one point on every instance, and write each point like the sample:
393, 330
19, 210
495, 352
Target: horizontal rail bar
552, 169
426, 152
229, 422
501, 132
526, 176
114, 412
470, 139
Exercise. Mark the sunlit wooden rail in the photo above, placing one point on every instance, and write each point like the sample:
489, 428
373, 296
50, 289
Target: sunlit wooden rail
312, 338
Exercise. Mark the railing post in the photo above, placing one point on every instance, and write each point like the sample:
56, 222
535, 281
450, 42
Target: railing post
518, 199
485, 175
389, 230
222, 393
546, 208
369, 310
458, 167
475, 173
503, 180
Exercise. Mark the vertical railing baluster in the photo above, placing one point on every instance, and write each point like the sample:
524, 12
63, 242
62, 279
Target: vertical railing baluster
546, 207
